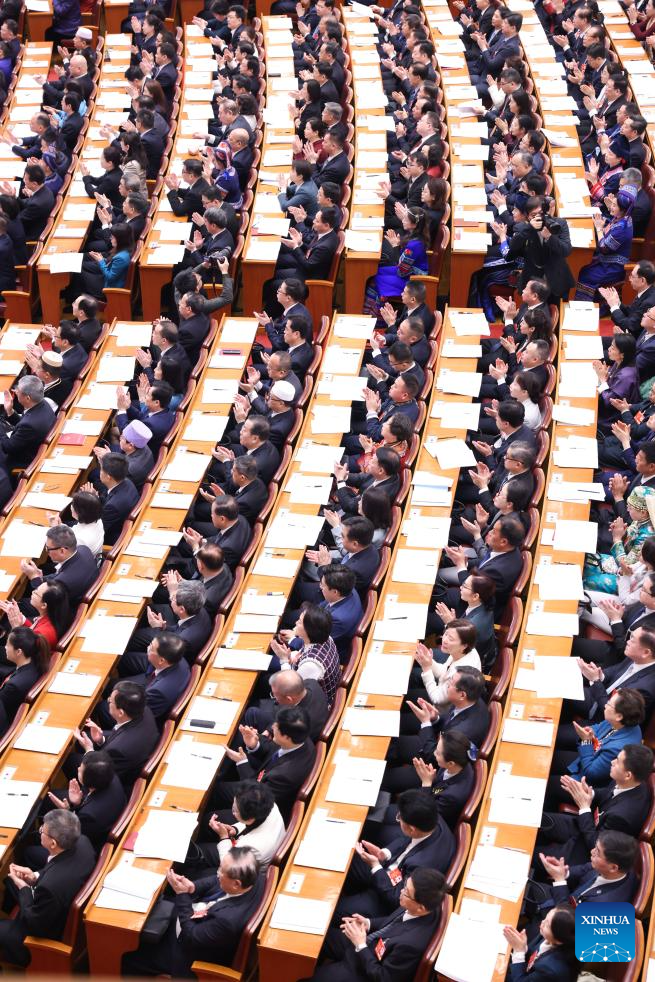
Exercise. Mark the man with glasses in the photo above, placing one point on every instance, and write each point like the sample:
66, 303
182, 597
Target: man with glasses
75, 566
44, 897
361, 946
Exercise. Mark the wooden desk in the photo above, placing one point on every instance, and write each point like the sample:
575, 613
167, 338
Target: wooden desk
292, 955
195, 113
524, 760
276, 157
38, 21
70, 231
116, 11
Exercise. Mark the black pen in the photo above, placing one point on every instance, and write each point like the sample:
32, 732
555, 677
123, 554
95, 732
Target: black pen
403, 618
16, 794
178, 808
369, 706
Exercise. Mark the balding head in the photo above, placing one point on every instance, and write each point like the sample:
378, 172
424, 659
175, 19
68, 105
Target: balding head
238, 139
287, 688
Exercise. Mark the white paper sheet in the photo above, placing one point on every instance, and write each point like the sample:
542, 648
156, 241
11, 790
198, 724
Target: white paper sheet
574, 536
372, 722
166, 835
219, 711
299, 914
43, 739
558, 677
327, 843
530, 732
462, 961
386, 675
74, 683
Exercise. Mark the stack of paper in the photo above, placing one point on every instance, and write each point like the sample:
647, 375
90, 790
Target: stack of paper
106, 634
454, 453
17, 798
528, 731
43, 739
415, 566
294, 531
171, 499
558, 677
217, 714
457, 415
297, 914
331, 419
576, 451
401, 622
74, 684
459, 383
356, 780
582, 347
127, 887
318, 458
327, 843
574, 416
64, 463
426, 532
517, 800
269, 564
577, 380
580, 491
129, 590
98, 396
559, 581
242, 659
386, 675
166, 835
265, 604
580, 316
552, 625
571, 536
23, 540
309, 489
499, 872
187, 466
192, 764
372, 722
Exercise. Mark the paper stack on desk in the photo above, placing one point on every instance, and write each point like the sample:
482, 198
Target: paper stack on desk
318, 458
297, 914
268, 564
499, 872
459, 383
166, 835
17, 798
401, 622
23, 540
454, 452
294, 531
580, 491
127, 887
552, 625
576, 451
517, 800
218, 712
129, 588
415, 566
577, 380
98, 396
309, 489
574, 415
372, 722
457, 415
48, 500
426, 532
356, 780
582, 347
559, 581
107, 634
187, 466
528, 731
242, 659
43, 739
117, 368
192, 764
327, 843
386, 675
558, 677
463, 961
74, 684
574, 536
331, 419
264, 604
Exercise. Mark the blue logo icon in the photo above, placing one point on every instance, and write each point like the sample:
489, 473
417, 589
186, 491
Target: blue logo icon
605, 932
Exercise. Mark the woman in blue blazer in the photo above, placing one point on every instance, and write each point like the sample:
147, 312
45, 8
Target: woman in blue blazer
600, 744
551, 956
101, 272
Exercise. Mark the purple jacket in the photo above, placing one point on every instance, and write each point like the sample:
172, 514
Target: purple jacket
67, 17
622, 384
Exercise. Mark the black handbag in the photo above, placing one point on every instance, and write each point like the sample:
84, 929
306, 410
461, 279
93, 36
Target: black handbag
158, 921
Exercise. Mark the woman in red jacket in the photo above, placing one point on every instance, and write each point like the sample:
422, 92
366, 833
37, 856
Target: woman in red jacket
50, 600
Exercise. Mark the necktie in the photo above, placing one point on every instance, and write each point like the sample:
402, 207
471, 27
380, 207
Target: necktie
375, 935
214, 895
622, 678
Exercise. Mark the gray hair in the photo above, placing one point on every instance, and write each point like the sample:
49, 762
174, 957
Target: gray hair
289, 683
525, 157
246, 466
522, 453
632, 175
63, 826
32, 387
241, 863
334, 109
62, 537
132, 183
191, 595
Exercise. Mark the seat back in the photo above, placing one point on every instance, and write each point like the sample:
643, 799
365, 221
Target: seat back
127, 814
183, 698
495, 719
335, 713
73, 920
234, 590
645, 870
240, 960
620, 971
155, 757
463, 847
510, 624
350, 666
475, 797
426, 966
309, 783
295, 821
524, 575
500, 674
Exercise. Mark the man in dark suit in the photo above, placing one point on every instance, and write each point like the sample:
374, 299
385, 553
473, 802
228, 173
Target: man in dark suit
493, 57
646, 346
75, 566
401, 398
242, 154
276, 401
377, 876
214, 936
189, 623
608, 878
622, 806
469, 714
211, 571
314, 260
164, 70
381, 471
74, 356
247, 488
85, 311
340, 597
636, 671
295, 341
623, 620
288, 688
131, 740
132, 213
165, 343
36, 202
120, 495
398, 360
186, 202
411, 331
153, 142
44, 898
393, 943
336, 166
97, 797
27, 428
233, 533
414, 305
285, 772
361, 557
71, 127
194, 325
544, 243
254, 441
164, 672
156, 416
290, 295
629, 316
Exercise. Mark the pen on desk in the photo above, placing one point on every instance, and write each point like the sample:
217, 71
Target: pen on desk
541, 719
370, 705
201, 756
178, 808
50, 487
16, 794
403, 618
275, 593
142, 576
335, 821
270, 554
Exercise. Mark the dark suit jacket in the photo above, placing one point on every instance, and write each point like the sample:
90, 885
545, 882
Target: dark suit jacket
159, 424
194, 632
646, 357
73, 361
106, 184
7, 263
301, 359
281, 424
234, 541
13, 691
453, 793
472, 721
213, 938
363, 564
283, 775
98, 811
116, 506
69, 132
250, 499
503, 569
388, 409
43, 909
275, 328
242, 162
580, 879
216, 588
130, 745
267, 457
346, 615
628, 316
35, 212
314, 702
90, 331
334, 171
426, 316
434, 852
624, 812
153, 144
163, 690
77, 574
349, 496
643, 681
314, 261
29, 431
186, 201
167, 78
192, 332
551, 965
